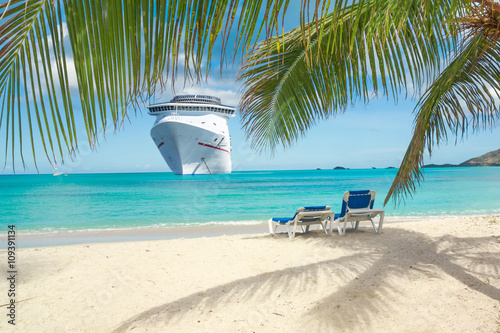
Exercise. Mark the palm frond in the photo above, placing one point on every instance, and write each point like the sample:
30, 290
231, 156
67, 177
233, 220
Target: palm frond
31, 43
366, 48
122, 51
464, 96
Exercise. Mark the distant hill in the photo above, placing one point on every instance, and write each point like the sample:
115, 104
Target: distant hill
489, 159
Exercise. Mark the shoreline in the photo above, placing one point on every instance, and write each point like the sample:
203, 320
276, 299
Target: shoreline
75, 237
64, 238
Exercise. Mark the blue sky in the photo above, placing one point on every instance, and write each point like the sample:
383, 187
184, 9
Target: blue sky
372, 135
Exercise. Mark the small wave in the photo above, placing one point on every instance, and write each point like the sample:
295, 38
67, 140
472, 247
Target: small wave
56, 231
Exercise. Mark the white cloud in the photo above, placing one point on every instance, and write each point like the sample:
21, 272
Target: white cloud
70, 65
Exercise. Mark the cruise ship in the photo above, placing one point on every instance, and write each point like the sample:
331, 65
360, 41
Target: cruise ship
192, 134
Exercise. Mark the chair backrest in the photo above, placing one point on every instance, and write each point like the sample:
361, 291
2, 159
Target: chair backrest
357, 200
313, 213
314, 208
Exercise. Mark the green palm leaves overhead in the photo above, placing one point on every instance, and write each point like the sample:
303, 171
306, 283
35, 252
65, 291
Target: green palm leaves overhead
370, 48
121, 51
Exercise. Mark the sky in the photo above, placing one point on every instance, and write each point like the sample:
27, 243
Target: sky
365, 136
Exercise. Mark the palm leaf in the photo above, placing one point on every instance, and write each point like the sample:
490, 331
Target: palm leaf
370, 46
122, 51
464, 96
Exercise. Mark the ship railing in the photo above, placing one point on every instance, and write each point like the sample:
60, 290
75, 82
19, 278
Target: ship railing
196, 99
226, 111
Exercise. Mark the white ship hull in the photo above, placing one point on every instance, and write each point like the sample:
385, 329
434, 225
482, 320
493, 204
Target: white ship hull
194, 144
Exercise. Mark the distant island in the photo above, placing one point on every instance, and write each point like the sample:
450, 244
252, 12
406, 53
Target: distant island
489, 159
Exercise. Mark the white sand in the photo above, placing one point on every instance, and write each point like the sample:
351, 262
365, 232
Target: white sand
424, 276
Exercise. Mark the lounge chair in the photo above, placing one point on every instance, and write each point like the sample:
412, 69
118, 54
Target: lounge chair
357, 206
305, 216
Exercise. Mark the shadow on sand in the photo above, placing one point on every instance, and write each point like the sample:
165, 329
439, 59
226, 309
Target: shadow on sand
359, 285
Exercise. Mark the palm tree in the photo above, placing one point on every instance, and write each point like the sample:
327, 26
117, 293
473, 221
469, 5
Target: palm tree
360, 50
121, 51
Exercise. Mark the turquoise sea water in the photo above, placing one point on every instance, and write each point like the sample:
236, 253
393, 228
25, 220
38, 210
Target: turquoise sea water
46, 203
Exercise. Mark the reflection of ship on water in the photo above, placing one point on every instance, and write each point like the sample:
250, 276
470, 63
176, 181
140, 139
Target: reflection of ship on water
192, 134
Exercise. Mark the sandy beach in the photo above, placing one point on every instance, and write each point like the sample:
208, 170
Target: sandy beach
439, 275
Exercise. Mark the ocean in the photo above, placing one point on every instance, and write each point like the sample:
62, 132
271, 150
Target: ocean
47, 203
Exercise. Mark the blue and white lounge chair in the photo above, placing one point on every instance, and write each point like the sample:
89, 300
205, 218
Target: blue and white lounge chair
357, 206
305, 216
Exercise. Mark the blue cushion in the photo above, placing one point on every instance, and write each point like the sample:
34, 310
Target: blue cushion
336, 216
282, 219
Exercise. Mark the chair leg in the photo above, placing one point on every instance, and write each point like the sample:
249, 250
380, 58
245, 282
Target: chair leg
340, 229
272, 227
373, 225
323, 225
380, 223
291, 232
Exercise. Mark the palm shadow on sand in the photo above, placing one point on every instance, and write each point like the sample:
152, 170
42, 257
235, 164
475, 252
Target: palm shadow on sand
362, 278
